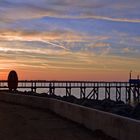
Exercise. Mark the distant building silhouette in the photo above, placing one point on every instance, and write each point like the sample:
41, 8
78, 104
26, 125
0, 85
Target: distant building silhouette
134, 81
12, 80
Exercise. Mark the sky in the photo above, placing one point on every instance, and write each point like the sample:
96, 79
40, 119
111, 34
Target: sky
70, 39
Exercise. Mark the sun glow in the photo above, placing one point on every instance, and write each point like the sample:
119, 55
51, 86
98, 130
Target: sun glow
74, 40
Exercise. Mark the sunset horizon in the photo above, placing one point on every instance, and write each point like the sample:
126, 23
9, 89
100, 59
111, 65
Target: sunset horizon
70, 40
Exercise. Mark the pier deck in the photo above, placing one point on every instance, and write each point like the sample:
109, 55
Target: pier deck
24, 123
87, 89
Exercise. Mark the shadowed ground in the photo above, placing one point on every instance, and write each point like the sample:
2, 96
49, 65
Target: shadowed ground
23, 123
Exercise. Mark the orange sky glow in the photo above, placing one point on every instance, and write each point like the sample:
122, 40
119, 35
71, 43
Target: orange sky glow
70, 40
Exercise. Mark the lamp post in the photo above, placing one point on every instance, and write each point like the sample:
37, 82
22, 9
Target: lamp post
130, 74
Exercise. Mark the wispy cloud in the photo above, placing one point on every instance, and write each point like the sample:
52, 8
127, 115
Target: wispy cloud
53, 38
130, 50
84, 35
99, 45
108, 18
62, 9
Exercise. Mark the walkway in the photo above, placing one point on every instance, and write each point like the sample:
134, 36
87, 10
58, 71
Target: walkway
23, 123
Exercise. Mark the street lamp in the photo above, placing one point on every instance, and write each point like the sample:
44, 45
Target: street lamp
130, 74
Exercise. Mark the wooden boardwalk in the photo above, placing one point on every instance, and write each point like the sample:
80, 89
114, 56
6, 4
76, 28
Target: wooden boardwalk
88, 89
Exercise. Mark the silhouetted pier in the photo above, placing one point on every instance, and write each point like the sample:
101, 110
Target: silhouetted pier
87, 89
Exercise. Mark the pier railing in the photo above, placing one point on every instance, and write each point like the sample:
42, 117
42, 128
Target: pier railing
131, 90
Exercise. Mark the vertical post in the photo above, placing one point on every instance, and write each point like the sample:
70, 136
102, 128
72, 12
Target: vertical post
139, 94
97, 92
128, 94
82, 91
35, 87
51, 88
118, 93
107, 91
136, 93
68, 89
31, 86
130, 74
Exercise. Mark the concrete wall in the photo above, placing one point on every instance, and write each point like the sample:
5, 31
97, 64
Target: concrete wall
116, 126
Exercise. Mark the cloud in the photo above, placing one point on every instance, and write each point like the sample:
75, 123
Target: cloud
68, 35
32, 51
45, 37
135, 39
77, 3
126, 50
62, 9
99, 45
14, 12
25, 57
107, 18
130, 50
50, 37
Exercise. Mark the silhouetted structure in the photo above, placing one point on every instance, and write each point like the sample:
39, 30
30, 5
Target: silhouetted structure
88, 89
12, 80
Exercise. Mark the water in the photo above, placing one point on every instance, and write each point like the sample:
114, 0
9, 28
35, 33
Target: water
76, 92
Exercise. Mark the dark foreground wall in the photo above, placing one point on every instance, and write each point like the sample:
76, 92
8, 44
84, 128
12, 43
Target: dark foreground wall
116, 126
